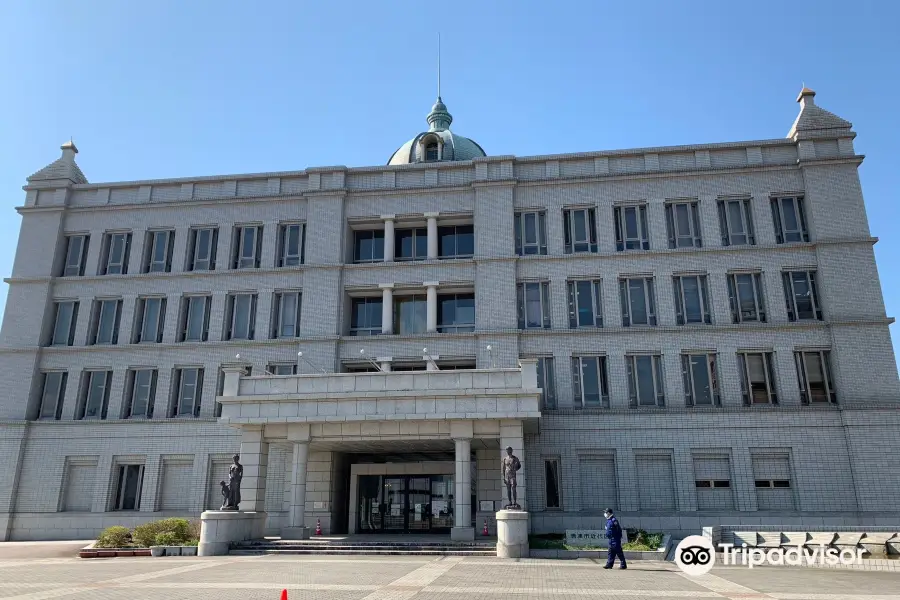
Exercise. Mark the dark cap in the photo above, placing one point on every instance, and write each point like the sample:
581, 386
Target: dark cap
608, 511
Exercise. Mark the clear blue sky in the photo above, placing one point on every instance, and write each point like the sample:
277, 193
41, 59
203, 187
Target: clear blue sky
174, 89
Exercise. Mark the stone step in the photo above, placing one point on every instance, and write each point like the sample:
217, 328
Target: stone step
392, 548
391, 545
362, 552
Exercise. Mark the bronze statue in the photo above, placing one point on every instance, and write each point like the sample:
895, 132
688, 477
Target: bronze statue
231, 491
509, 465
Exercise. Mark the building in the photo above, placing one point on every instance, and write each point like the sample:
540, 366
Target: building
692, 334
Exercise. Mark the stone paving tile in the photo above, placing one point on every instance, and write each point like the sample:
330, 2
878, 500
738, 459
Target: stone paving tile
814, 581
79, 570
365, 573
217, 593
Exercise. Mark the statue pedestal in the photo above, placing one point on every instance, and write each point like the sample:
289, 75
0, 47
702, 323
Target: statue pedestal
219, 528
512, 534
295, 533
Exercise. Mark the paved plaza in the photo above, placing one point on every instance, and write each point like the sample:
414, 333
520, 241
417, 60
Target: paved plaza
416, 578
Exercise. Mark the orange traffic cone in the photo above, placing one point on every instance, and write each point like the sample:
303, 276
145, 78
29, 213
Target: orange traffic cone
485, 530
318, 527
284, 595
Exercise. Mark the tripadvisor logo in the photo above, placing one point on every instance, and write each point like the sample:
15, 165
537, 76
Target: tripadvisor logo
695, 555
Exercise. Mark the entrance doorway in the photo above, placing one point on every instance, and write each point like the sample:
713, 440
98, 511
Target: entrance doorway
405, 503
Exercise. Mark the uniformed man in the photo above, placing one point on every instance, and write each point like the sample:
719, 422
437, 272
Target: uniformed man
614, 535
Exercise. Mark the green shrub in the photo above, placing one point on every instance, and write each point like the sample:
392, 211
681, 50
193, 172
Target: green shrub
167, 538
195, 529
191, 543
114, 537
640, 540
180, 527
145, 535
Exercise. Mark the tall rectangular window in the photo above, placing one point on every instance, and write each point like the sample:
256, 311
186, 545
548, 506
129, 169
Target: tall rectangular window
531, 232
551, 483
736, 222
456, 313
281, 369
410, 314
105, 322
150, 321
683, 225
789, 217
291, 243
411, 244
757, 378
64, 318
645, 380
585, 309
158, 251
188, 388
368, 245
814, 374
141, 387
76, 255
116, 247
580, 230
632, 232
801, 295
247, 244
638, 301
547, 382
746, 296
286, 315
129, 480
94, 399
590, 382
202, 245
534, 305
701, 386
456, 241
691, 300
195, 318
240, 317
52, 394
365, 316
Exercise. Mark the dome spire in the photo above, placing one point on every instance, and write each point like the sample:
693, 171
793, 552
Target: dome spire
439, 119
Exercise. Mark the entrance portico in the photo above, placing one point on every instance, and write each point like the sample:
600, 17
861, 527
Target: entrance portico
383, 451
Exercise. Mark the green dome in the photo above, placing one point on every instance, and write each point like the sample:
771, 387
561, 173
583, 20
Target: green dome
438, 144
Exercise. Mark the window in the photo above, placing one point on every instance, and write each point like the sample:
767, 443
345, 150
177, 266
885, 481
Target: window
141, 386
713, 483
76, 255
585, 309
736, 223
631, 228
701, 386
589, 381
790, 220
94, 395
52, 394
410, 315
151, 317
456, 313
551, 483
773, 483
691, 300
746, 297
64, 323
531, 233
115, 254
638, 305
645, 380
247, 246
757, 378
365, 316
411, 244
129, 480
188, 387
368, 246
534, 305
202, 245
105, 322
282, 369
683, 225
291, 242
286, 316
580, 230
546, 382
431, 151
240, 317
456, 241
158, 251
814, 374
195, 318
801, 295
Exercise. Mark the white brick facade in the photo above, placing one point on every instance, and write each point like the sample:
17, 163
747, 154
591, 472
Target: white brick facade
839, 456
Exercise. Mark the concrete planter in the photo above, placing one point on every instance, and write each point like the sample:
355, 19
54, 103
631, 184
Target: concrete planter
157, 550
173, 550
659, 554
189, 550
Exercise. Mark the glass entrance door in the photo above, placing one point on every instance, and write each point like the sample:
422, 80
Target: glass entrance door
418, 508
394, 504
405, 504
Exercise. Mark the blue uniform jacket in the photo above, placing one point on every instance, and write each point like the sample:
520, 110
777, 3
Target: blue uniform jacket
613, 532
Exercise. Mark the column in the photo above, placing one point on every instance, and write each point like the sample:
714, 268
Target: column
432, 235
255, 458
297, 529
462, 513
387, 308
431, 297
388, 237
385, 363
